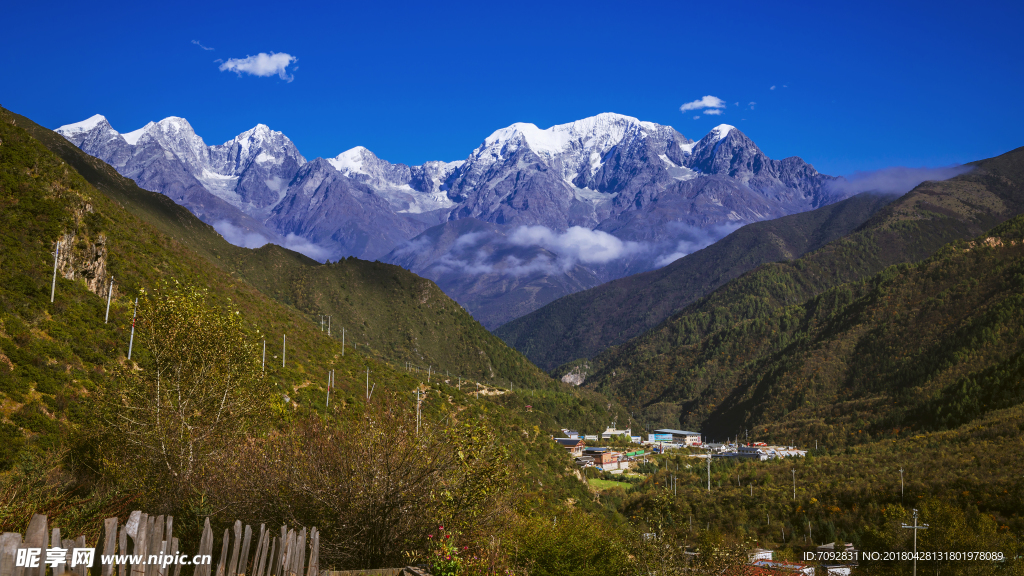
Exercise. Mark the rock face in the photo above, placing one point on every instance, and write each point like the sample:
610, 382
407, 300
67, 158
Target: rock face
79, 257
600, 198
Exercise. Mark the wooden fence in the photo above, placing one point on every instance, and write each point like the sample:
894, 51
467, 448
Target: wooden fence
156, 548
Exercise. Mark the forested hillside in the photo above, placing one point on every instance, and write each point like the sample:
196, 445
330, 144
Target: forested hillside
665, 368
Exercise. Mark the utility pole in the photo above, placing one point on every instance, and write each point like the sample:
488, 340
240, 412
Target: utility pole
330, 380
794, 483
284, 349
343, 341
53, 288
428, 374
916, 528
132, 339
367, 383
321, 322
109, 292
264, 354
901, 485
709, 470
328, 325
418, 402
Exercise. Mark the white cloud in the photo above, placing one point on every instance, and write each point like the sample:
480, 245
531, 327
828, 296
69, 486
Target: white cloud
303, 246
691, 239
894, 180
577, 244
705, 102
239, 236
262, 64
713, 112
197, 43
772, 88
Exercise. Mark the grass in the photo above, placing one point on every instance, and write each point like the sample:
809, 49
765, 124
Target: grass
607, 484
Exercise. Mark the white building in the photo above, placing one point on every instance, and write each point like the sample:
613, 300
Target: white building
614, 432
682, 436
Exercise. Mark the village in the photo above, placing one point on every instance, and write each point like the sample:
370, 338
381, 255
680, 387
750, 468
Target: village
588, 452
607, 459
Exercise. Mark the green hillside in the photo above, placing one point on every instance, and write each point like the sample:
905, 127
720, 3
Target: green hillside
656, 371
583, 324
396, 314
53, 355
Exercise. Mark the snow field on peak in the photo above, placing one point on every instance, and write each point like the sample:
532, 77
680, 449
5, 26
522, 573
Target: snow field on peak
601, 132
83, 126
350, 160
721, 131
133, 136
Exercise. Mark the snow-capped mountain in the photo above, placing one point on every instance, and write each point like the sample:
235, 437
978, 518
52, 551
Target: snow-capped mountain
643, 185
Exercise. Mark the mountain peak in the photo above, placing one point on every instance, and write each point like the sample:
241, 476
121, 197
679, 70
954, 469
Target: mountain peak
83, 126
352, 160
721, 131
601, 131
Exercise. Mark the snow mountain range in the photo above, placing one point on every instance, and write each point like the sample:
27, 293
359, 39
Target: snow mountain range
529, 216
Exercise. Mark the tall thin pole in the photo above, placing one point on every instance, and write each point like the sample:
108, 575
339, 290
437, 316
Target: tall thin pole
109, 292
330, 379
418, 392
132, 339
321, 322
709, 471
794, 483
264, 354
916, 528
284, 348
53, 288
328, 325
343, 341
367, 383
901, 485
428, 374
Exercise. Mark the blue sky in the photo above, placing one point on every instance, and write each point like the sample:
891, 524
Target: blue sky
856, 88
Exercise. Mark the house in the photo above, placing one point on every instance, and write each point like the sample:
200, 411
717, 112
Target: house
570, 433
611, 431
573, 445
592, 437
759, 554
681, 436
753, 452
584, 461
606, 459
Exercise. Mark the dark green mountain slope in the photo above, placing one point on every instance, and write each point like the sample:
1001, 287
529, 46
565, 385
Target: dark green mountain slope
398, 315
931, 345
658, 370
582, 324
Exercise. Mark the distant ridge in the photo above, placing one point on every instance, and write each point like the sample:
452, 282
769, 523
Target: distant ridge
637, 181
583, 324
